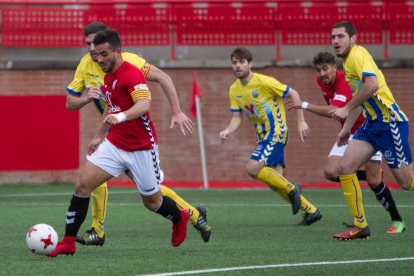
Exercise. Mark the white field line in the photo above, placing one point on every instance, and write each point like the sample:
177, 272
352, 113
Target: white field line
213, 270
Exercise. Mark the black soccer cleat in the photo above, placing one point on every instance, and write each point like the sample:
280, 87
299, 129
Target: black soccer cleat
294, 198
90, 237
202, 225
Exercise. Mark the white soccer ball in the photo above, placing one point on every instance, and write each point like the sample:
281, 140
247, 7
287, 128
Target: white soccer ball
41, 239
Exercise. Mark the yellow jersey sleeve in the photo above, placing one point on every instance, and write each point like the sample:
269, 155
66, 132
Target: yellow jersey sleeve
382, 105
138, 62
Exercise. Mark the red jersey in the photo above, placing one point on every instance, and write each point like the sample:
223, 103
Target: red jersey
339, 94
137, 134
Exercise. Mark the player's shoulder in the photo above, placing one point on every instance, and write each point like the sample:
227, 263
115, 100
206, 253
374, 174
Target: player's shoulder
131, 57
86, 60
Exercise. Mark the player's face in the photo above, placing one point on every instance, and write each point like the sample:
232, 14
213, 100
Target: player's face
327, 73
241, 67
341, 41
106, 57
91, 46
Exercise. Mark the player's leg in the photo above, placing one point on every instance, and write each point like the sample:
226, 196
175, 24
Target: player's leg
91, 177
198, 215
266, 165
396, 149
146, 173
95, 234
383, 194
357, 153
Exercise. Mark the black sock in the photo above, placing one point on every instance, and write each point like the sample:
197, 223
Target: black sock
384, 196
169, 209
76, 214
361, 175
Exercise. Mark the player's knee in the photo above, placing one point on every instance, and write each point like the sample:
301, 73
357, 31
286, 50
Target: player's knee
331, 175
252, 170
344, 169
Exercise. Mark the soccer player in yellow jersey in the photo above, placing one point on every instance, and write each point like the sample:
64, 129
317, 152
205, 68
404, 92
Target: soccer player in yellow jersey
385, 128
260, 98
89, 74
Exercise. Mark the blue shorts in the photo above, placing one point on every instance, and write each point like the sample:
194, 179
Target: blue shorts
271, 153
391, 139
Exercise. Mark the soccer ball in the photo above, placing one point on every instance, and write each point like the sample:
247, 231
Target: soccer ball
41, 239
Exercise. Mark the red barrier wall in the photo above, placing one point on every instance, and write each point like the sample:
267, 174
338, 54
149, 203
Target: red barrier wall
38, 134
180, 155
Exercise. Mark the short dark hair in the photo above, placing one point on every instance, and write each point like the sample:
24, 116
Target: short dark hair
94, 27
349, 27
322, 58
108, 35
242, 53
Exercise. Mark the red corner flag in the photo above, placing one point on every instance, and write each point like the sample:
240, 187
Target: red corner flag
195, 92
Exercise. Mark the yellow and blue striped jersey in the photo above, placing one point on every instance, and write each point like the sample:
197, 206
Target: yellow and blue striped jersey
89, 74
261, 99
381, 105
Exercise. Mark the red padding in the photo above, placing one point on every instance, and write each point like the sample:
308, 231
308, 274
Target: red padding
38, 133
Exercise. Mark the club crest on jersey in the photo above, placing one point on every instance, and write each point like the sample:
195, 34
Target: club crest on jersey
255, 93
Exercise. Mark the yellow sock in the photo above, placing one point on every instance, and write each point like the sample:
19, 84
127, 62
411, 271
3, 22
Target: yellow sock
99, 200
181, 203
305, 205
282, 186
274, 180
353, 197
412, 185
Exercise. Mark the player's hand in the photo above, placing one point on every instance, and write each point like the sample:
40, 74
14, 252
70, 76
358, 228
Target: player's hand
340, 114
94, 144
304, 130
343, 137
224, 135
94, 93
293, 103
111, 119
183, 122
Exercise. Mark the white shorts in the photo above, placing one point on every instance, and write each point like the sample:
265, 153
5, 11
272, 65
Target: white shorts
144, 165
340, 151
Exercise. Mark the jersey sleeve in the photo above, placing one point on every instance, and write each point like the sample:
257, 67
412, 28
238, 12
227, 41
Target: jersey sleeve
234, 103
77, 86
343, 92
276, 88
138, 88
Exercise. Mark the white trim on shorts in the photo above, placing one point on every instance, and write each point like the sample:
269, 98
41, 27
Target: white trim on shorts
143, 165
340, 151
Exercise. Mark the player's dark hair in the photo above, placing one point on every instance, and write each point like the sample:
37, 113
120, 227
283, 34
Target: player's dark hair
324, 58
94, 27
349, 27
242, 53
108, 35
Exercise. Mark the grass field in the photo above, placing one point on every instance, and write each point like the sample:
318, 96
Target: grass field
253, 233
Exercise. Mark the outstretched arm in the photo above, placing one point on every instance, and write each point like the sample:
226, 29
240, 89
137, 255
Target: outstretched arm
321, 110
178, 117
303, 127
233, 126
73, 102
368, 88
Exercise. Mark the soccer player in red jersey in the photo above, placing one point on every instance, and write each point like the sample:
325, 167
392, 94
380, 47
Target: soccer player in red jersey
337, 93
130, 144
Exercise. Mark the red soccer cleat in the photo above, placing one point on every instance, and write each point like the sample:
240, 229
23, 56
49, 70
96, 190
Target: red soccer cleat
179, 229
354, 232
66, 246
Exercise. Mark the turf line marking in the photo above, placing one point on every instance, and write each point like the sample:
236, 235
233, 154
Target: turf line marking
276, 266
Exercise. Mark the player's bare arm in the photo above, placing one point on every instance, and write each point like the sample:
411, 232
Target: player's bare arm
233, 126
100, 134
73, 102
140, 107
167, 85
344, 134
368, 88
325, 110
303, 127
